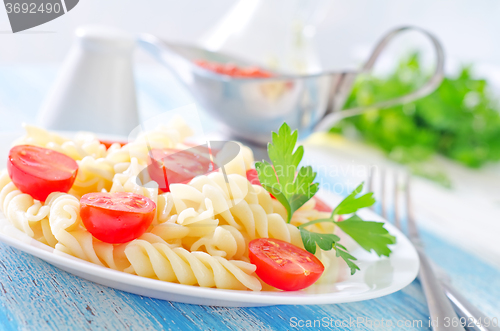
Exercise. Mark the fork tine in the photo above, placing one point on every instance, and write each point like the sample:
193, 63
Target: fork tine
397, 215
440, 308
412, 227
369, 184
382, 193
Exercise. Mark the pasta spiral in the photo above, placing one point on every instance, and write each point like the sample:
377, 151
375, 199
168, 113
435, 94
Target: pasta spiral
84, 144
308, 213
93, 175
153, 258
243, 211
24, 212
72, 237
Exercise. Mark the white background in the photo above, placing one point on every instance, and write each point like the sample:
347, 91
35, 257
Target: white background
468, 29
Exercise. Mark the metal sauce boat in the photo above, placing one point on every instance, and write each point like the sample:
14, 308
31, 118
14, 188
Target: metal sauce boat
95, 89
251, 108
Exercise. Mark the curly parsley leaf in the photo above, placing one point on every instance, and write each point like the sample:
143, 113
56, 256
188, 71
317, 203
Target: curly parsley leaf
369, 235
342, 252
269, 181
323, 240
327, 242
290, 187
352, 204
293, 187
284, 156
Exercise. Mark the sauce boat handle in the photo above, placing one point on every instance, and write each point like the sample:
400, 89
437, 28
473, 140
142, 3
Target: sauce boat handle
345, 85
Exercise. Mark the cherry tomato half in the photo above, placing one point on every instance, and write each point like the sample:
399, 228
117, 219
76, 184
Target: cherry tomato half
283, 265
116, 218
40, 171
169, 166
108, 143
253, 177
321, 205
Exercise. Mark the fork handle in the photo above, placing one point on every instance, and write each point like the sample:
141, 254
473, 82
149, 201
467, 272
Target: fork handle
440, 308
474, 319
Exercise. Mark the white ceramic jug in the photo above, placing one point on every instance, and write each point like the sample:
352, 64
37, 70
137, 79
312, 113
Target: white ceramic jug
95, 89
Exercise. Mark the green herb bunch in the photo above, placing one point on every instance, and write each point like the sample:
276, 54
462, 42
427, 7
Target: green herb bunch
459, 120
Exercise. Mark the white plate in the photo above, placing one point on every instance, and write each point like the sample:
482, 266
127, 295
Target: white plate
377, 277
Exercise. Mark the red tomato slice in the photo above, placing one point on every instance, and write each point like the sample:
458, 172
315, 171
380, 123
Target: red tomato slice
40, 171
108, 143
253, 177
169, 166
283, 265
321, 205
116, 218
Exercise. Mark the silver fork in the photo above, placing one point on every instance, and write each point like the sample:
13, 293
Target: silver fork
443, 300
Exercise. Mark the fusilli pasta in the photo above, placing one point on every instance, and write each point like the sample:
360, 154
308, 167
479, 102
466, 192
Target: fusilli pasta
200, 231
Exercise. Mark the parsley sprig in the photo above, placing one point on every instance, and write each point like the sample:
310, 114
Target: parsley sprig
352, 204
293, 188
281, 179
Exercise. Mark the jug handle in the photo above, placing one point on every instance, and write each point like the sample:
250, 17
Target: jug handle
337, 114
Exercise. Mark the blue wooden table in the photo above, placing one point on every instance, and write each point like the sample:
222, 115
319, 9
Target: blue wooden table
37, 296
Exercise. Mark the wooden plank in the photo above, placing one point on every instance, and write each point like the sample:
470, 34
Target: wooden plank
36, 295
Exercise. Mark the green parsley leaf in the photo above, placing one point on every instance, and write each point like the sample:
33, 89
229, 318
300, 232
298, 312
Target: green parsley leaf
269, 182
369, 235
290, 187
281, 152
327, 242
341, 251
351, 204
311, 239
